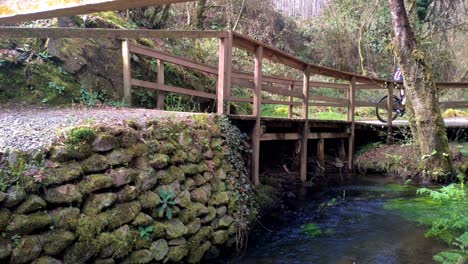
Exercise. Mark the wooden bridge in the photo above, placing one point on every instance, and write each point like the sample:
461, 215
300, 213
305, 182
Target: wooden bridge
299, 93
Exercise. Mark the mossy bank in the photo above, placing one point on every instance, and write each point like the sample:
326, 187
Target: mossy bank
164, 191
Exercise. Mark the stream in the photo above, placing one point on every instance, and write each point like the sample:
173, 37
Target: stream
358, 229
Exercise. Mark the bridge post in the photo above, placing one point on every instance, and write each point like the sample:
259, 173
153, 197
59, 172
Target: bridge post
224, 74
305, 129
127, 74
160, 94
390, 87
257, 97
351, 114
290, 107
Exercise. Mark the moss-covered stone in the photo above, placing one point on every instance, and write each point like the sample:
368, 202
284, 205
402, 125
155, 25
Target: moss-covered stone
223, 222
197, 252
159, 161
46, 260
221, 211
95, 163
149, 200
219, 198
200, 195
64, 173
210, 216
127, 194
189, 184
3, 196
120, 156
94, 183
194, 226
146, 180
232, 229
189, 214
63, 153
219, 237
142, 219
64, 217
175, 228
104, 142
4, 218
117, 244
55, 241
204, 234
159, 229
32, 203
139, 257
190, 168
104, 261
97, 202
122, 214
29, 248
179, 157
185, 140
194, 155
26, 224
15, 195
122, 176
177, 253
170, 175
5, 249
183, 199
159, 249
81, 252
199, 180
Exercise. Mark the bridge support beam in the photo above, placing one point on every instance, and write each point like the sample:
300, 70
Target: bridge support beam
224, 74
351, 114
160, 94
305, 128
257, 97
389, 113
127, 73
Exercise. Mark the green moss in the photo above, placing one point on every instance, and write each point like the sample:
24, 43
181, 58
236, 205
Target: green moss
80, 135
110, 18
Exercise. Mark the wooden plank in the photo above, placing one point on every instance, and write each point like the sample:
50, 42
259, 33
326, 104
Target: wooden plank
321, 153
452, 85
280, 91
389, 113
127, 73
291, 100
327, 135
342, 151
280, 136
459, 104
329, 85
224, 74
305, 128
172, 89
14, 11
160, 94
103, 33
256, 134
327, 99
370, 86
351, 115
329, 104
146, 51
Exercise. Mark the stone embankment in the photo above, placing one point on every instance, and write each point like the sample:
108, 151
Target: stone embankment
158, 192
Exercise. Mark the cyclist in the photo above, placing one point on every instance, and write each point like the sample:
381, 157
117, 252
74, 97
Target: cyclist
398, 76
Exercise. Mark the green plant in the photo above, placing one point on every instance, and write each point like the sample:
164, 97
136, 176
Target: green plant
81, 134
44, 55
450, 192
117, 104
312, 230
2, 62
145, 233
167, 203
16, 239
55, 86
90, 98
323, 206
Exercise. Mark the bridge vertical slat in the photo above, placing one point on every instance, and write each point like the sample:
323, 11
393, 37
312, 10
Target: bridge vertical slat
161, 94
290, 107
321, 153
351, 114
305, 128
390, 113
224, 74
256, 134
127, 74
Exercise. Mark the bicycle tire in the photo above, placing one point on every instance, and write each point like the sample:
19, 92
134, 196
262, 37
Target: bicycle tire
383, 119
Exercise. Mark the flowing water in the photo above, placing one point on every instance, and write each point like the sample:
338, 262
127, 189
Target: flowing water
358, 229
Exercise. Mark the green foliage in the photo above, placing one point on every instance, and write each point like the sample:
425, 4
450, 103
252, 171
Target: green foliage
55, 86
312, 230
44, 55
145, 233
16, 239
167, 201
450, 192
2, 62
89, 97
323, 206
81, 134
368, 147
274, 110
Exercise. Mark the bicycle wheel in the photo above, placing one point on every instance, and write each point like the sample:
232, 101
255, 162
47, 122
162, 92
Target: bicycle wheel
381, 112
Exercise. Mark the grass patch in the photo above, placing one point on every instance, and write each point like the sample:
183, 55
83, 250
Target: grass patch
312, 230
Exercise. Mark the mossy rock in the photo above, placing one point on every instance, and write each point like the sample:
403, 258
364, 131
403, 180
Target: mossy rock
159, 161
64, 217
63, 153
104, 142
190, 169
210, 216
122, 214
199, 180
122, 176
5, 249
139, 257
194, 226
223, 222
28, 249
149, 200
197, 252
201, 236
46, 260
177, 253
195, 155
183, 199
196, 210
185, 140
189, 183
219, 237
4, 218
95, 163
97, 202
179, 157
130, 138
104, 261
117, 244
175, 228
146, 180
221, 211
81, 252
16, 195
64, 173
219, 198
159, 229
127, 194
26, 224
142, 219
94, 183
55, 241
159, 249
32, 204
120, 156
200, 195
89, 227
170, 175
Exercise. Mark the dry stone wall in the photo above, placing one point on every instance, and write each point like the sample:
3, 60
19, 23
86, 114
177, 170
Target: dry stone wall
130, 193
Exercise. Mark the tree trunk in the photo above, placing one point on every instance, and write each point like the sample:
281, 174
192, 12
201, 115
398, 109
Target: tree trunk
200, 14
427, 124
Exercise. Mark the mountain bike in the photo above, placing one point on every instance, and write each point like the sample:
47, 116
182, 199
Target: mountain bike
398, 108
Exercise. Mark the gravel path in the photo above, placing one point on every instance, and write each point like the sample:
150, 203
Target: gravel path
28, 128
